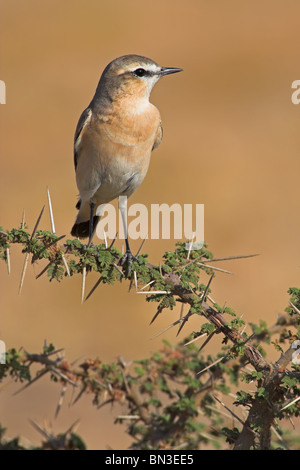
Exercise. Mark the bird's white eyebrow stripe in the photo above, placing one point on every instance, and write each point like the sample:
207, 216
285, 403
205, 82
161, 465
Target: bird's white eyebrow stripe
152, 68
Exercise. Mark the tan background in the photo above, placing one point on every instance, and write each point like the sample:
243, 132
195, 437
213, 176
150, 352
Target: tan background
231, 141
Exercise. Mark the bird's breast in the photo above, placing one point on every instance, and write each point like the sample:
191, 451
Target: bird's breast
132, 124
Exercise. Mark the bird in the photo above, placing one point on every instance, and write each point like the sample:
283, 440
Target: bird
113, 141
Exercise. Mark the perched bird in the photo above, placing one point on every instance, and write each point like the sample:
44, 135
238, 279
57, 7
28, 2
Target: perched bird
114, 138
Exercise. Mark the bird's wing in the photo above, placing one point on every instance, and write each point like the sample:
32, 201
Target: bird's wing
158, 137
84, 120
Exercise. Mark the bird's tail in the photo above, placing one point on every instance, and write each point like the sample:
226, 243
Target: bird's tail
81, 227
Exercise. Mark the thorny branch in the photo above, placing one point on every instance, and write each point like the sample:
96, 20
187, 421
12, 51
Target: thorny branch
180, 278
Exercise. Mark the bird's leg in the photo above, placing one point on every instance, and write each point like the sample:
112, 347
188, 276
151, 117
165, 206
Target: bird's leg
91, 223
128, 257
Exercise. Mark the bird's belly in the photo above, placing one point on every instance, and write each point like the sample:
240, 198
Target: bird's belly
121, 177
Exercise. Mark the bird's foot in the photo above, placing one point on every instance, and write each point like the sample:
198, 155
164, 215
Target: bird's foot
90, 246
126, 261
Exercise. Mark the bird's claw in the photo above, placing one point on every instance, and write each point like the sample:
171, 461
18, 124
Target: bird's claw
89, 245
127, 260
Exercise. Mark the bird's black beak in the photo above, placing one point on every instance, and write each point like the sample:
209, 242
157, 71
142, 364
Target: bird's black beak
169, 70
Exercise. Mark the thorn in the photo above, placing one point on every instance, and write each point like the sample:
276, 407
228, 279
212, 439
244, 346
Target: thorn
23, 219
132, 417
62, 376
118, 269
207, 340
217, 259
99, 281
56, 351
93, 288
105, 239
184, 320
229, 258
210, 299
37, 223
74, 425
43, 270
190, 246
195, 339
141, 246
181, 311
83, 283
203, 297
8, 260
40, 429
166, 329
154, 292
112, 243
53, 231
65, 264
160, 271
133, 280
43, 372
294, 307
23, 272
158, 311
191, 262
290, 403
146, 285
60, 400
229, 410
211, 365
216, 269
27, 254
51, 211
130, 284
279, 437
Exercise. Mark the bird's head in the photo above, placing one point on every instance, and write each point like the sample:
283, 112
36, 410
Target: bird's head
132, 75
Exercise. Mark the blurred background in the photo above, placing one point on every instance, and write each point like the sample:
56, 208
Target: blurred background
231, 142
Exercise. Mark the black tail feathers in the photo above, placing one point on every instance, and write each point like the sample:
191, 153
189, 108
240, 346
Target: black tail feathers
81, 230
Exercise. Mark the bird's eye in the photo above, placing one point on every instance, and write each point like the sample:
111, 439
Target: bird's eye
140, 72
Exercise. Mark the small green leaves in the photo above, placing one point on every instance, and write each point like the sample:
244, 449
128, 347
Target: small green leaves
290, 382
254, 375
261, 392
235, 323
261, 330
207, 328
15, 366
243, 398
